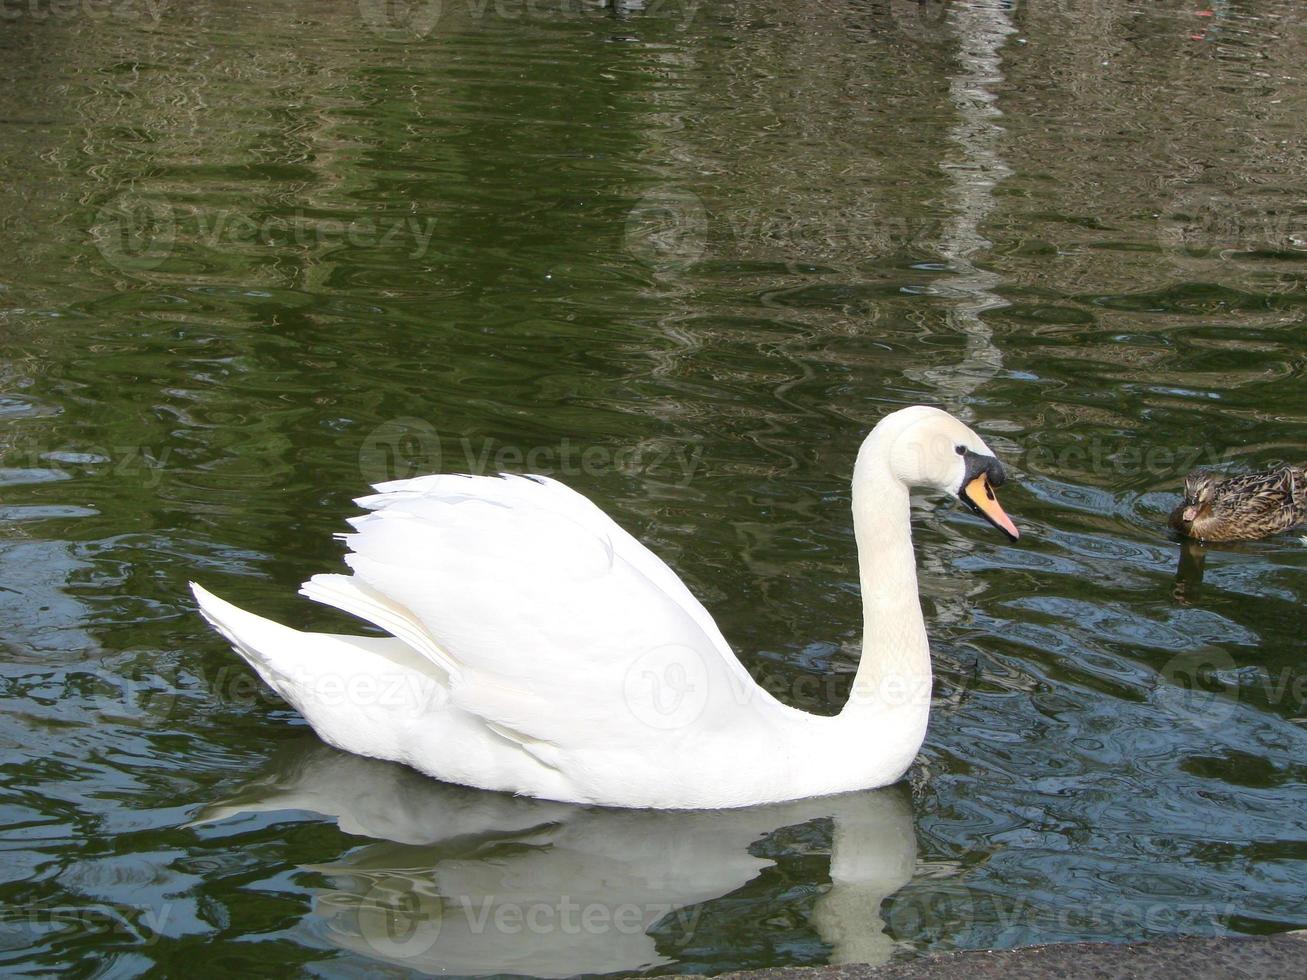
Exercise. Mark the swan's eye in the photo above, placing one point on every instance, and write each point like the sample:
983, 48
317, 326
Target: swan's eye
961, 450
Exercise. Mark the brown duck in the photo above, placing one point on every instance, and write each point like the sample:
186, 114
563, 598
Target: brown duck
1241, 508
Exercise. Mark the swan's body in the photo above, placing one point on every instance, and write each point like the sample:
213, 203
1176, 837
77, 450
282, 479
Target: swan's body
538, 648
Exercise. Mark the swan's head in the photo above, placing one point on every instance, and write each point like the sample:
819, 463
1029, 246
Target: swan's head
928, 447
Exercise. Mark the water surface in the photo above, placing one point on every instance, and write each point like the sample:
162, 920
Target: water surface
682, 256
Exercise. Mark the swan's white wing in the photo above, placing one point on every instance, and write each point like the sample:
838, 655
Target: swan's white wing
554, 625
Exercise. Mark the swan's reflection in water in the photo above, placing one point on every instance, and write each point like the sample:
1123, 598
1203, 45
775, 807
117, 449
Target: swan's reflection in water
474, 883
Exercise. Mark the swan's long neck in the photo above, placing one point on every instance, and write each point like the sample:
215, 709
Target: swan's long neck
894, 672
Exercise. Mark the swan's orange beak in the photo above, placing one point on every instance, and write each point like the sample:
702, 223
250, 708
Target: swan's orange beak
979, 496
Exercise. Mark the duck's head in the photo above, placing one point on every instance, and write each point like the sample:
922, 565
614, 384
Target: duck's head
1199, 493
928, 447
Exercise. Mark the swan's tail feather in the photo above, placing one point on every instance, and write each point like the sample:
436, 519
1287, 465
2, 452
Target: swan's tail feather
253, 637
348, 594
359, 693
288, 658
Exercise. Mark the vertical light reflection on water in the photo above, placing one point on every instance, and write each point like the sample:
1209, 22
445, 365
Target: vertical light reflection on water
982, 27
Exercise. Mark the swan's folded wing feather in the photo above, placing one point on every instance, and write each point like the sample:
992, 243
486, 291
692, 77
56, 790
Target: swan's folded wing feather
560, 626
540, 492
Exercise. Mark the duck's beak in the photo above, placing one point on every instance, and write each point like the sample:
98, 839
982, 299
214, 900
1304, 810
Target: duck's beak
1183, 517
979, 496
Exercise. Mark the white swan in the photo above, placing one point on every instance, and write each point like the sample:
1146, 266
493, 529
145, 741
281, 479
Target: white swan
538, 648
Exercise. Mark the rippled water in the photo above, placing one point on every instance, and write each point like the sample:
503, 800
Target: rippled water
682, 256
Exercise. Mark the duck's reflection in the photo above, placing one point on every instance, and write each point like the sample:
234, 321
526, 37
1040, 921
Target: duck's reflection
1189, 574
473, 883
